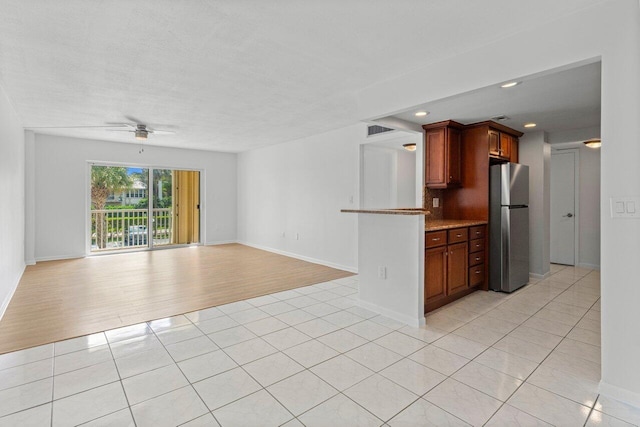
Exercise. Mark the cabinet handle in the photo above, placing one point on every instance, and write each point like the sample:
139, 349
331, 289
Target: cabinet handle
477, 258
477, 271
477, 232
451, 177
458, 235
435, 239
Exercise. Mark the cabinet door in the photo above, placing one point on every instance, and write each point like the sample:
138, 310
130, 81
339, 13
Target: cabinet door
435, 158
435, 261
505, 145
457, 269
453, 156
513, 156
494, 142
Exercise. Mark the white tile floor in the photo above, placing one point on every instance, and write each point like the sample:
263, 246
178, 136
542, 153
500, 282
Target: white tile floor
312, 357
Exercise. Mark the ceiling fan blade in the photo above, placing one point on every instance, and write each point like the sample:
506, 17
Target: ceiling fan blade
134, 120
119, 130
161, 132
122, 125
75, 127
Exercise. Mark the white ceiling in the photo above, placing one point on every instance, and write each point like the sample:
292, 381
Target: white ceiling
560, 101
231, 75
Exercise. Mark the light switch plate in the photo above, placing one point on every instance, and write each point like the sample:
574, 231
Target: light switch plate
625, 207
436, 202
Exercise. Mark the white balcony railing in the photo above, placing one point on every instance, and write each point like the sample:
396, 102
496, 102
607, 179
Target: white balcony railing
125, 228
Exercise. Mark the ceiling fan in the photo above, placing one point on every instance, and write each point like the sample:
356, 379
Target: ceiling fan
141, 131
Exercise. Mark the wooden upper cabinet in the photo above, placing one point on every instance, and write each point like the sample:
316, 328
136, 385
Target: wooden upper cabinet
494, 143
442, 154
505, 145
501, 140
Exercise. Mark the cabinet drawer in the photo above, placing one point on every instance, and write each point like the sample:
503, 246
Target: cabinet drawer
458, 235
476, 232
476, 245
435, 238
476, 258
476, 275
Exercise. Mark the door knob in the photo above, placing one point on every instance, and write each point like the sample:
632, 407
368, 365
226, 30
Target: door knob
569, 215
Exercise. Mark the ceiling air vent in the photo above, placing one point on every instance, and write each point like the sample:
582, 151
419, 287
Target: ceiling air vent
500, 118
375, 130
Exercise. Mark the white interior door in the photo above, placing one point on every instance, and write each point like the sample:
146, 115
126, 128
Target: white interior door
563, 207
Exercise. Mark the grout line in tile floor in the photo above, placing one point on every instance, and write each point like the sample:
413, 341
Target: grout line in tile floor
539, 364
426, 343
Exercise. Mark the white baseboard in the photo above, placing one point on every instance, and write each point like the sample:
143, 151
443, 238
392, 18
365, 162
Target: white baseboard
30, 261
302, 257
7, 299
620, 394
407, 320
590, 266
220, 242
540, 276
57, 258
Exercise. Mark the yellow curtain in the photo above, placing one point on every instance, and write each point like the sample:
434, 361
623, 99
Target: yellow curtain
186, 207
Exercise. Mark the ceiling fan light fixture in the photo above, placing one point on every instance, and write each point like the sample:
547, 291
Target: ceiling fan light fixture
141, 134
593, 143
410, 146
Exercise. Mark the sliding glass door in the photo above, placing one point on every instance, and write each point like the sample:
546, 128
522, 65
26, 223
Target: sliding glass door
139, 208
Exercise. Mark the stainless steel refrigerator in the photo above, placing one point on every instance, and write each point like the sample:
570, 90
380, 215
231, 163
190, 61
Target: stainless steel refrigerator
508, 227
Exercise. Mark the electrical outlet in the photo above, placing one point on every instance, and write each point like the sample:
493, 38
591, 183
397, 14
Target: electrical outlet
382, 272
350, 200
436, 202
283, 234
297, 236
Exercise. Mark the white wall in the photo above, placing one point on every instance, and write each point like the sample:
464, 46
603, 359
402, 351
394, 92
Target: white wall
406, 179
583, 36
388, 177
12, 195
379, 177
299, 188
62, 183
534, 152
589, 226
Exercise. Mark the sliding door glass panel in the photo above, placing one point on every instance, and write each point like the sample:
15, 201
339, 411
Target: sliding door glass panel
162, 211
119, 208
176, 207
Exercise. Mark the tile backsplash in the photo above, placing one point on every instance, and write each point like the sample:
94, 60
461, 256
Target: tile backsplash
427, 202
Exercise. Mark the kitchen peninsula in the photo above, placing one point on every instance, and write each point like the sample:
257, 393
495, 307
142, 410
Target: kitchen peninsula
410, 263
394, 256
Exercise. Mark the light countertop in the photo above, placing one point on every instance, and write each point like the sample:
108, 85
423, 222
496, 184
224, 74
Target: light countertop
397, 211
445, 224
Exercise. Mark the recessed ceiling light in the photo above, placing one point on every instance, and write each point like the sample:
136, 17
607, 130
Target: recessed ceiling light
509, 84
529, 125
421, 113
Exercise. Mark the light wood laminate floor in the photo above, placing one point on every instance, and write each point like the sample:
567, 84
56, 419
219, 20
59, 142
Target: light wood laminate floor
57, 300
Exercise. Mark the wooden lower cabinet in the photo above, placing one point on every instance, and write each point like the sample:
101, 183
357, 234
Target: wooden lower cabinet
435, 267
457, 268
452, 268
